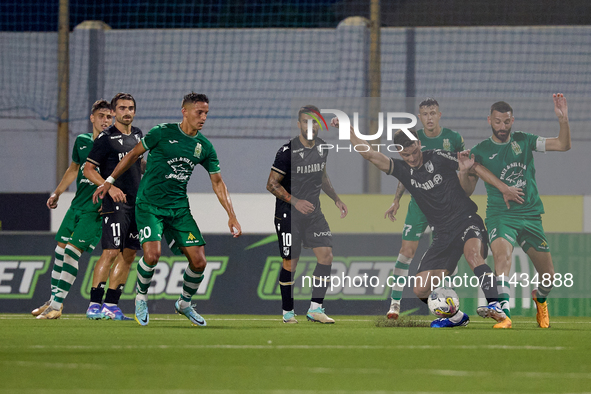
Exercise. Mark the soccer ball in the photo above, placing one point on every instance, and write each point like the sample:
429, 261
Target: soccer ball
443, 302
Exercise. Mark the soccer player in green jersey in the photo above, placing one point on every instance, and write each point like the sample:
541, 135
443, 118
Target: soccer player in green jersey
162, 206
81, 228
509, 155
432, 136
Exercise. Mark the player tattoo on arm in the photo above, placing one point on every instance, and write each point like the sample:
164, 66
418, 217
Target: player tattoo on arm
399, 191
274, 186
391, 212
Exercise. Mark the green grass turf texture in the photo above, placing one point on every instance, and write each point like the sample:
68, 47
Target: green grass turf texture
259, 354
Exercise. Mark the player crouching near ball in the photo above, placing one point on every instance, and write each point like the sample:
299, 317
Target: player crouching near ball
431, 178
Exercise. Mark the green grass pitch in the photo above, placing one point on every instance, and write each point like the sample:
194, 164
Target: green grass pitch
259, 354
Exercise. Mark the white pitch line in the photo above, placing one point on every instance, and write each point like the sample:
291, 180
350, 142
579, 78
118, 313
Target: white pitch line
34, 364
290, 347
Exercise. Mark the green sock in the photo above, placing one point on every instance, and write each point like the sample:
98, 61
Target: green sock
191, 281
144, 276
67, 277
400, 271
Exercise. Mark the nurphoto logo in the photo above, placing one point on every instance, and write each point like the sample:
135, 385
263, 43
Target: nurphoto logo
345, 127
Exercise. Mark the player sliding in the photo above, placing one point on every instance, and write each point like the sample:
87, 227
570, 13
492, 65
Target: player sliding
510, 157
432, 136
162, 206
431, 178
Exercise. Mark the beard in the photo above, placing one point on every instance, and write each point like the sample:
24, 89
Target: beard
498, 134
304, 133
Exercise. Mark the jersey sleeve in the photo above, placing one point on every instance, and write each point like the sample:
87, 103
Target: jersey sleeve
282, 161
150, 140
535, 143
448, 159
211, 162
459, 143
75, 155
476, 152
100, 150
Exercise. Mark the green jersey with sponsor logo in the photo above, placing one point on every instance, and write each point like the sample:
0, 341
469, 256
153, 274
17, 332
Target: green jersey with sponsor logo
448, 140
513, 163
171, 161
84, 187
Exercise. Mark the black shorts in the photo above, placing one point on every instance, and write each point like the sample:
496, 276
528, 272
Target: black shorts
119, 228
311, 231
448, 247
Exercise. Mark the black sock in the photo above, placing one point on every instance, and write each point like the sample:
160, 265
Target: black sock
96, 293
488, 282
320, 282
113, 295
286, 285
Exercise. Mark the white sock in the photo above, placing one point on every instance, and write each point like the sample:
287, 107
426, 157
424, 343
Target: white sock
142, 297
315, 305
184, 304
286, 312
457, 317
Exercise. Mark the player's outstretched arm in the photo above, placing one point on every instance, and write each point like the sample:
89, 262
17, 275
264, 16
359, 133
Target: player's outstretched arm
561, 143
220, 190
69, 177
467, 179
378, 159
510, 193
106, 185
391, 212
274, 186
330, 192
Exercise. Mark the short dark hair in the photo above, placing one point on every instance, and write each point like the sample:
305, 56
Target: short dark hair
122, 96
502, 107
400, 138
428, 102
307, 108
194, 98
100, 104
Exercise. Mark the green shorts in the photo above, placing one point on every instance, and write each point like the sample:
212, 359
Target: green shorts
81, 229
525, 232
415, 222
176, 224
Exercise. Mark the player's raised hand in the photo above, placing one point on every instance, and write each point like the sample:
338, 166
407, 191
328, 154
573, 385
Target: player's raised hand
52, 201
391, 212
342, 208
304, 206
560, 106
513, 194
465, 160
235, 228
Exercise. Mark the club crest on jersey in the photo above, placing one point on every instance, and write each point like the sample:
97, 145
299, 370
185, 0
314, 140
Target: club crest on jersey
516, 147
429, 166
446, 144
198, 149
320, 152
